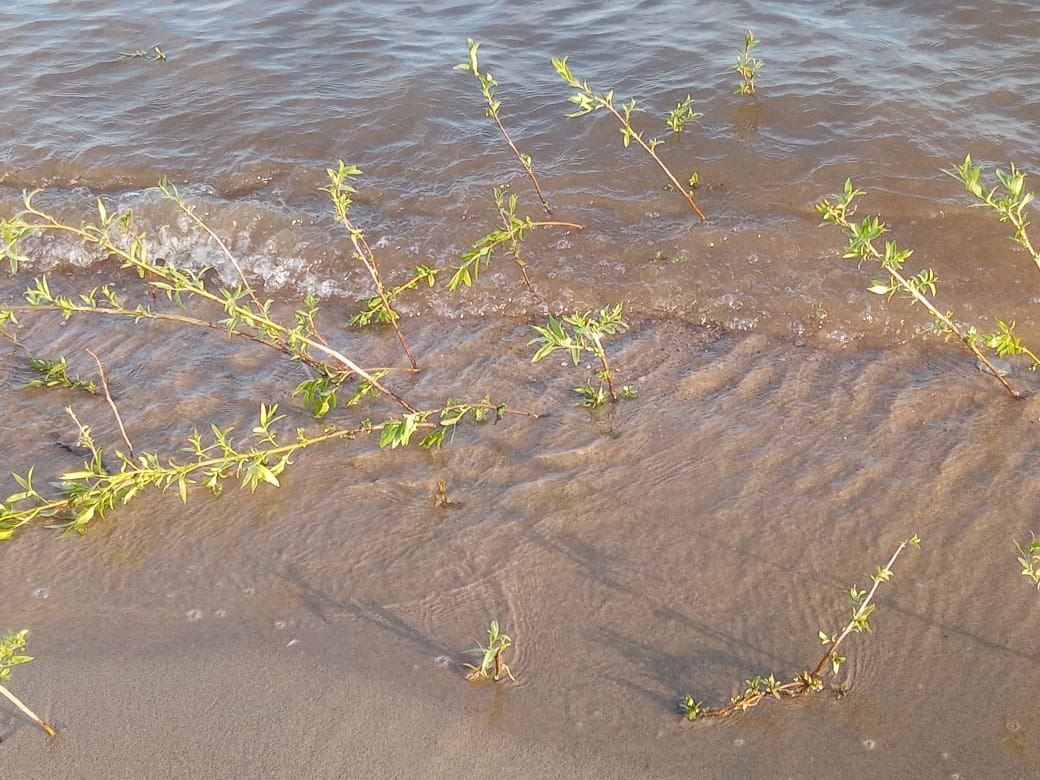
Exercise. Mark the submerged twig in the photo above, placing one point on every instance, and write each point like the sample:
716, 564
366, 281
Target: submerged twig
27, 712
155, 55
112, 403
514, 230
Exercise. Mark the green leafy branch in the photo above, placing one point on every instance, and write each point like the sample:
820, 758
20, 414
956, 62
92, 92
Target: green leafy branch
492, 666
581, 333
747, 66
918, 288
512, 233
487, 87
12, 654
341, 193
86, 494
1010, 204
246, 316
759, 688
54, 373
589, 101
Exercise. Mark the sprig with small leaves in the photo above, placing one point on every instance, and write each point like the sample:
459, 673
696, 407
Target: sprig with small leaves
487, 87
760, 687
1029, 558
320, 394
581, 333
1010, 204
341, 193
512, 233
919, 288
54, 373
682, 115
12, 654
441, 423
589, 101
155, 54
8, 318
747, 66
86, 494
492, 666
375, 309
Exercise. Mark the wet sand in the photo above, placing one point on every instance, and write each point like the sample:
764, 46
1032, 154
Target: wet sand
322, 625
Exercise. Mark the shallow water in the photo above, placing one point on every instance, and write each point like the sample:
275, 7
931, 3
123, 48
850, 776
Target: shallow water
790, 428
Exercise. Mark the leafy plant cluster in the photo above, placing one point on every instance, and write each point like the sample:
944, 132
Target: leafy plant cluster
747, 67
111, 479
55, 373
583, 333
491, 666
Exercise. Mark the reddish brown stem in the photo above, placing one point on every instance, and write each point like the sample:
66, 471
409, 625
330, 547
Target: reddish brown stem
653, 154
523, 162
516, 254
606, 373
369, 261
112, 403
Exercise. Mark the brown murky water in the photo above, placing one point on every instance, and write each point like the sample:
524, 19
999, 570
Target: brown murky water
790, 428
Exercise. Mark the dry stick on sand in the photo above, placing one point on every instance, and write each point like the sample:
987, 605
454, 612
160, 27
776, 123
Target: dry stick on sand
28, 713
12, 653
112, 403
487, 86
